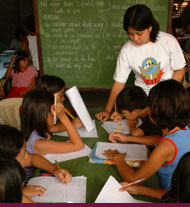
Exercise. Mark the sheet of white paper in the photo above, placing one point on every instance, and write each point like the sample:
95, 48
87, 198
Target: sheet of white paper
82, 131
134, 151
79, 107
86, 151
111, 126
110, 194
57, 192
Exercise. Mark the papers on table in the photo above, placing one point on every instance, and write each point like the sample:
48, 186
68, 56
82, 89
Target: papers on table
111, 126
110, 194
86, 151
58, 192
82, 131
79, 107
134, 151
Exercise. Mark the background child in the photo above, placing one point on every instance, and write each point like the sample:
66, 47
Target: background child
55, 86
169, 108
23, 75
179, 191
11, 179
12, 144
38, 116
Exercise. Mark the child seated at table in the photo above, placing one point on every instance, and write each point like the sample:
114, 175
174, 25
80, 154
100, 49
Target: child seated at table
55, 86
179, 191
37, 117
169, 108
23, 75
12, 144
133, 103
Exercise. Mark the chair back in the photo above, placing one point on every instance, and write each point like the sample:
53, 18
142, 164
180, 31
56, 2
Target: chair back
10, 111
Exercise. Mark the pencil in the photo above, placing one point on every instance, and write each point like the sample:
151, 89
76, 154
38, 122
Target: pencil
135, 182
58, 165
55, 101
118, 128
66, 111
115, 109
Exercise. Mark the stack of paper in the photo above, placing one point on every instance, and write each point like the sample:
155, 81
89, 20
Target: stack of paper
134, 151
111, 126
110, 194
82, 131
58, 192
86, 151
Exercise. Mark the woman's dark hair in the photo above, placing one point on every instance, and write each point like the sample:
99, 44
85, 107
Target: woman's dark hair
11, 141
21, 55
35, 108
131, 98
180, 190
140, 17
12, 176
50, 83
169, 104
30, 23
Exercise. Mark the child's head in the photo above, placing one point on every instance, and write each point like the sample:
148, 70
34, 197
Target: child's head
12, 176
53, 85
12, 143
36, 113
22, 61
131, 100
20, 34
169, 104
180, 191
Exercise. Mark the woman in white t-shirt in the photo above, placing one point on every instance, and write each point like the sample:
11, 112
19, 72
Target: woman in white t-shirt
152, 55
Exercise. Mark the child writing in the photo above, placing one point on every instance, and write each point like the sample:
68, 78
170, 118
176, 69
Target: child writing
23, 75
55, 86
37, 117
133, 103
179, 191
11, 179
12, 144
169, 108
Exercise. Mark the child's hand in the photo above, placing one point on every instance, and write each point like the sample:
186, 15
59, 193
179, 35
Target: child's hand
117, 136
132, 189
102, 116
77, 123
32, 190
22, 93
111, 154
63, 175
59, 109
117, 117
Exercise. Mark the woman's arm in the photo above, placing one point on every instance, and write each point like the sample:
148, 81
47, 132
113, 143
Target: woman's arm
25, 44
178, 74
116, 89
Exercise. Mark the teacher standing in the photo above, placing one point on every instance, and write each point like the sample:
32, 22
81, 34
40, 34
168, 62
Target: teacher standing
152, 55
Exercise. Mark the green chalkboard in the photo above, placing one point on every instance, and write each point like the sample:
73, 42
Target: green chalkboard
80, 39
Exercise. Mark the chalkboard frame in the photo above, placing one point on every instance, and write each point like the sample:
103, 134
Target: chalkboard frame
36, 16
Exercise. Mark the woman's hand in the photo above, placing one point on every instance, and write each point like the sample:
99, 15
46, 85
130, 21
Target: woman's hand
116, 117
117, 136
112, 154
32, 190
102, 116
77, 123
63, 175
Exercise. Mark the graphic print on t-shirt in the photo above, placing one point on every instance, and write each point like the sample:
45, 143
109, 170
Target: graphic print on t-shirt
151, 71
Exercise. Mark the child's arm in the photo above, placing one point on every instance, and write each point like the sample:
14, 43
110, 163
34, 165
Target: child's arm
132, 124
38, 161
150, 140
32, 190
33, 83
162, 153
8, 73
42, 146
25, 44
25, 199
144, 190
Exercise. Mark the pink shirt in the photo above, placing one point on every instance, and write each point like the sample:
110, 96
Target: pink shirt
23, 79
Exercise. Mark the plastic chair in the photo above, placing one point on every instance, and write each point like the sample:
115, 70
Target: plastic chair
10, 111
